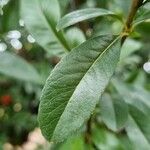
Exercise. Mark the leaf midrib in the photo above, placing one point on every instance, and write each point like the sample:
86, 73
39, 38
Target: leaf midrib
50, 25
98, 57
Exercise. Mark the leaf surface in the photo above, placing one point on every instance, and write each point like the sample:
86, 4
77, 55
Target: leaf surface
14, 66
81, 15
114, 112
136, 135
75, 86
143, 15
129, 47
139, 107
41, 17
75, 37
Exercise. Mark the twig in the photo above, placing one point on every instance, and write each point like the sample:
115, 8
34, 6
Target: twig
128, 26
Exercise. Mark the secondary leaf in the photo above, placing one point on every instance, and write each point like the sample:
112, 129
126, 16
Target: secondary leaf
143, 14
139, 107
81, 15
106, 140
73, 143
114, 112
134, 96
129, 47
75, 86
14, 66
40, 18
75, 37
136, 135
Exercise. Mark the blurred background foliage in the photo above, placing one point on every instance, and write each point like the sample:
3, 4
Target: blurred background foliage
25, 65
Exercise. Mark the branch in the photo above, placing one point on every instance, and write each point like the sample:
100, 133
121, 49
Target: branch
135, 5
128, 26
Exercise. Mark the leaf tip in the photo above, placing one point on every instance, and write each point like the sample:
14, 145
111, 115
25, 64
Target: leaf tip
58, 28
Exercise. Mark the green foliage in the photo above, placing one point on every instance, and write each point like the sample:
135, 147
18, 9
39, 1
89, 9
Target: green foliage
97, 95
114, 112
143, 15
139, 108
40, 19
81, 15
18, 68
75, 37
72, 91
136, 135
130, 46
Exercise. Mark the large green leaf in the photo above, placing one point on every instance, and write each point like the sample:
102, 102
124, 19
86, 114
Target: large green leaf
75, 86
114, 112
13, 66
81, 15
40, 18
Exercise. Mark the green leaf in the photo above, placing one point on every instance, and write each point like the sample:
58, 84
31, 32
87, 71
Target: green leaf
73, 143
129, 47
75, 37
114, 112
106, 140
81, 15
120, 7
75, 86
133, 96
9, 20
139, 106
40, 18
136, 135
63, 5
14, 66
143, 15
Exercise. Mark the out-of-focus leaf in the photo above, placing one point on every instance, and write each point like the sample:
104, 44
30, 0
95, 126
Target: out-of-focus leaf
81, 15
14, 66
140, 79
134, 96
139, 107
120, 7
73, 143
143, 14
106, 140
63, 4
129, 47
114, 112
136, 135
40, 18
75, 37
10, 18
75, 85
